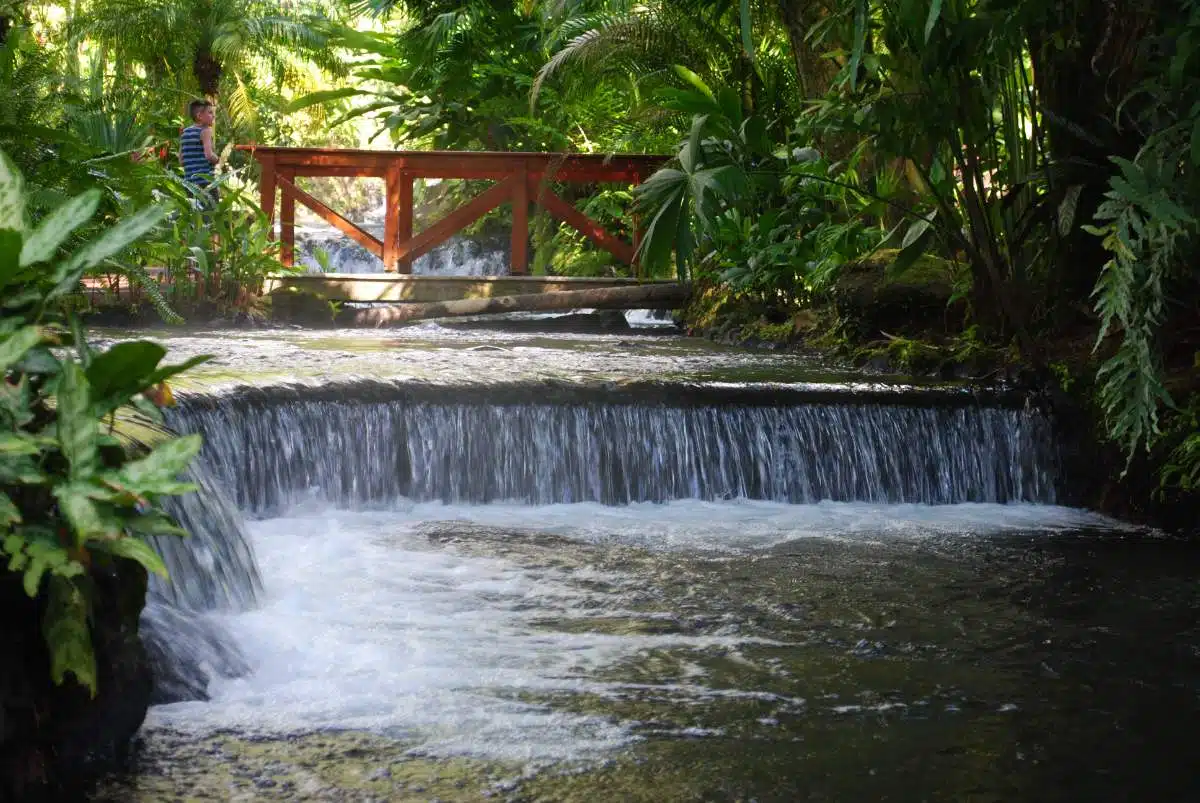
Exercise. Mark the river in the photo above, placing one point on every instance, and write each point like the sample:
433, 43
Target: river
448, 563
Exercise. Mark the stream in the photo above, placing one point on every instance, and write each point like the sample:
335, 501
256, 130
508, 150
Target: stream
455, 563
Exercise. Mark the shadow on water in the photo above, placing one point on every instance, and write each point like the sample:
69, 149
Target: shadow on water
1022, 669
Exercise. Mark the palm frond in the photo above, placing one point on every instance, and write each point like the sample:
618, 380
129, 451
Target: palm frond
640, 36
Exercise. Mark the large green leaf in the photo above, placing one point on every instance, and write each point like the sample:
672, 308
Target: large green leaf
155, 524
21, 443
168, 371
20, 470
12, 196
15, 346
861, 10
43, 243
323, 96
935, 12
9, 514
132, 228
711, 187
690, 154
10, 257
695, 81
747, 25
118, 373
158, 472
730, 102
38, 552
89, 519
134, 549
65, 628
78, 428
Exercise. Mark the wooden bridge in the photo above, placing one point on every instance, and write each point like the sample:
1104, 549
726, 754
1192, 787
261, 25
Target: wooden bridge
521, 179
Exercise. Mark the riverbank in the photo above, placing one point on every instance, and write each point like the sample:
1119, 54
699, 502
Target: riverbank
916, 323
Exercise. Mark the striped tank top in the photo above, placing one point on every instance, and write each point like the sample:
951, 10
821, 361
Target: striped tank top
196, 167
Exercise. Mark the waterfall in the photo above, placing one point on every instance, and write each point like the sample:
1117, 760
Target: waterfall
274, 449
458, 256
212, 569
365, 443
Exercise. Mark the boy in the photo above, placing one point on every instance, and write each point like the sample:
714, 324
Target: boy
196, 150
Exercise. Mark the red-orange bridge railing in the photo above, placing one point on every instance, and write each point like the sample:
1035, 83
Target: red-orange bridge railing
522, 179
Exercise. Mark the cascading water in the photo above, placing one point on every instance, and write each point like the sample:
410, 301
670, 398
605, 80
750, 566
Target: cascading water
324, 249
670, 589
212, 569
278, 451
275, 451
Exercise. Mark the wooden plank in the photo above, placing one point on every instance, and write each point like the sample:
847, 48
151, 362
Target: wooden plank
589, 228
287, 218
404, 228
338, 171
391, 218
519, 251
266, 191
363, 238
627, 168
391, 287
457, 220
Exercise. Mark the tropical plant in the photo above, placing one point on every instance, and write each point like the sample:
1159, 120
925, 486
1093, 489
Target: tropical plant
215, 47
741, 44
455, 76
218, 251
1150, 224
72, 496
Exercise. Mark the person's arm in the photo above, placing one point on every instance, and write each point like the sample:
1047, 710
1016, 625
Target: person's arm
206, 139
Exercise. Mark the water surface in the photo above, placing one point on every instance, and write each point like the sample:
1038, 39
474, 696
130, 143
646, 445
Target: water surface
676, 644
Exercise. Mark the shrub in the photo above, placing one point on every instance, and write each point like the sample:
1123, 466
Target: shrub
72, 491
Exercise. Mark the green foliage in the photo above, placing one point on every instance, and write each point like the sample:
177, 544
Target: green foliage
1149, 223
211, 249
212, 46
70, 495
761, 217
1182, 470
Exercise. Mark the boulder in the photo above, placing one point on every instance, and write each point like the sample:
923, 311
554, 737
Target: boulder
54, 739
872, 296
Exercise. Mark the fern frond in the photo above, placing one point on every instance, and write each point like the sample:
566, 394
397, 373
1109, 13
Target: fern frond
136, 274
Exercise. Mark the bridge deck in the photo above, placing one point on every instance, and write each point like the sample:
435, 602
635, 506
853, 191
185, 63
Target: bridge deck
392, 287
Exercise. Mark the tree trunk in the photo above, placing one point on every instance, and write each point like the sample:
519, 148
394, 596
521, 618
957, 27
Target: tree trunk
656, 296
207, 70
814, 74
1080, 86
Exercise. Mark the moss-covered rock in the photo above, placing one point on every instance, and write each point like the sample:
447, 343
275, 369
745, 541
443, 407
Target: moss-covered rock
293, 305
871, 296
54, 739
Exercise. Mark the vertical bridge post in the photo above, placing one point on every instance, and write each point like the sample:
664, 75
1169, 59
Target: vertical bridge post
266, 191
398, 220
287, 218
519, 252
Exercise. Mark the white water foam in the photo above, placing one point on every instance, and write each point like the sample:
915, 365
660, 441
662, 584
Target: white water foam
368, 623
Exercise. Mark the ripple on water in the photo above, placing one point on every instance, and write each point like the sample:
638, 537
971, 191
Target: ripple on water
455, 627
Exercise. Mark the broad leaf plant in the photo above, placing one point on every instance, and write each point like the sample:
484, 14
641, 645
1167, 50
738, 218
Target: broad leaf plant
73, 494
